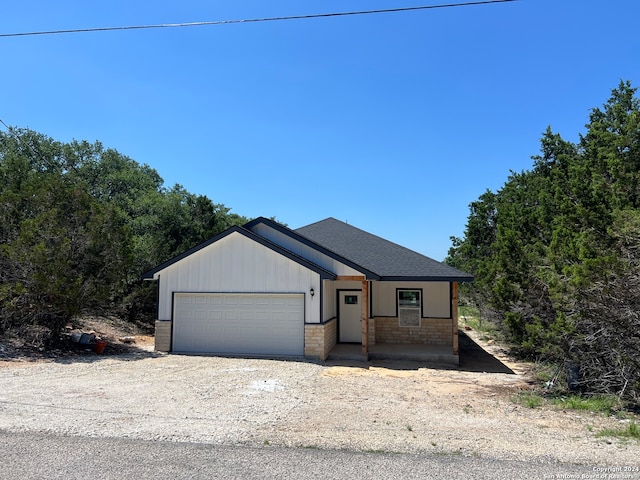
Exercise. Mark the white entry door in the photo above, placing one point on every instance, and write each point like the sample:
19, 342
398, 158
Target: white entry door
350, 313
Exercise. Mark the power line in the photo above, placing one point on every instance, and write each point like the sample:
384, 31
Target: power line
251, 20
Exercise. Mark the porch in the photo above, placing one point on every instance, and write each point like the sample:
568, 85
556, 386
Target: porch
432, 354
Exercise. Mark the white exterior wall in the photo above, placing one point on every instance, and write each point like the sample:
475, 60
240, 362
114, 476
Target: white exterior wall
436, 299
304, 251
330, 291
237, 264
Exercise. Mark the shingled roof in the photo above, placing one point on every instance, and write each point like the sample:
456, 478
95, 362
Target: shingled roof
387, 259
374, 256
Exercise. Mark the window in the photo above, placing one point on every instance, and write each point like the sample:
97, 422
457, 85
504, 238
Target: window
409, 308
350, 299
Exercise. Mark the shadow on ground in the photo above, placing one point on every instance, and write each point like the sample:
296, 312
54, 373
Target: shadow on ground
120, 352
69, 352
474, 358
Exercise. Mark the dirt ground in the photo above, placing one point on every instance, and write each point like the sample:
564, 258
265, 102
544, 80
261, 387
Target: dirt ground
121, 337
131, 391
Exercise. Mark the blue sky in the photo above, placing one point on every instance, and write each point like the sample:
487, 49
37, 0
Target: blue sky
392, 122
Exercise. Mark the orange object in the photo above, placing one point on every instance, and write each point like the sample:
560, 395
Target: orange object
100, 346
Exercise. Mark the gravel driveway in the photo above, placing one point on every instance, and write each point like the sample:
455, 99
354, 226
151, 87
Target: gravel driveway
389, 407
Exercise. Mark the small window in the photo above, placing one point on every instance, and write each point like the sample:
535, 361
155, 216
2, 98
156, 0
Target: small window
409, 308
350, 299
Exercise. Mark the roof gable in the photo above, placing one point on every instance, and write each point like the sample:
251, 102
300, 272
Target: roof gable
310, 243
376, 257
250, 235
388, 260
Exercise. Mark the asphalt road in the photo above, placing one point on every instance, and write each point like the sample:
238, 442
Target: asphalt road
27, 456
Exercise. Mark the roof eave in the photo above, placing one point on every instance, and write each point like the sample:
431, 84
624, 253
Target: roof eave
440, 278
370, 275
150, 275
324, 274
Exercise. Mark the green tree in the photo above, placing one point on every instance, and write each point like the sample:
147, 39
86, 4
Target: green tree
78, 225
67, 256
553, 250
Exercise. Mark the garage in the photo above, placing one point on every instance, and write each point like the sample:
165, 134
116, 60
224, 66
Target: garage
239, 323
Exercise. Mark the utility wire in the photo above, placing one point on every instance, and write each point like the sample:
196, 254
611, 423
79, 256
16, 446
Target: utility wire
251, 20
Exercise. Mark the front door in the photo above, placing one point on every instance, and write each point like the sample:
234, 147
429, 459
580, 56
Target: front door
349, 315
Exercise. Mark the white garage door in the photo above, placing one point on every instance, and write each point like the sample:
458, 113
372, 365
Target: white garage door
258, 324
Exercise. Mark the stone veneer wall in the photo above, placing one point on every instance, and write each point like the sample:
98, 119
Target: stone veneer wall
163, 336
372, 331
319, 339
432, 331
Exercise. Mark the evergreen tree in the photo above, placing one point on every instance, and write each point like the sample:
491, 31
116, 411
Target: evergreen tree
79, 224
554, 250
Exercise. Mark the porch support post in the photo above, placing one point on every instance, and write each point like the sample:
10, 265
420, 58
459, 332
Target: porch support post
365, 318
454, 315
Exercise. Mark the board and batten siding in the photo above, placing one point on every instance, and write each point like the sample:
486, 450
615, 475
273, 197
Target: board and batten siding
237, 264
331, 288
305, 251
436, 298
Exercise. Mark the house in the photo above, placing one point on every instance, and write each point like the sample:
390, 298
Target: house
265, 289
